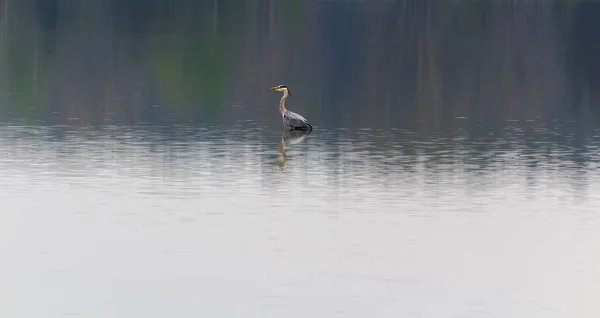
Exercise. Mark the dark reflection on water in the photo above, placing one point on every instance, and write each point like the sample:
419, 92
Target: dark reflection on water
391, 165
452, 171
288, 138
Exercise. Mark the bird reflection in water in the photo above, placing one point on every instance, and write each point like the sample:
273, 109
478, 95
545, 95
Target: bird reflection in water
288, 138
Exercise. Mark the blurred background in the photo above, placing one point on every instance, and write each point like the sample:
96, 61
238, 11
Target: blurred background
377, 63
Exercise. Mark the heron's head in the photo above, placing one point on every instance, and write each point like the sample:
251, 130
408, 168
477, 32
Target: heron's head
281, 88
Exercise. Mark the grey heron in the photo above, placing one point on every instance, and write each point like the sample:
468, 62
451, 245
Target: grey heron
290, 119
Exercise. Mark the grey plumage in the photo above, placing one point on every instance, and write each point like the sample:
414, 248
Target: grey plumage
295, 121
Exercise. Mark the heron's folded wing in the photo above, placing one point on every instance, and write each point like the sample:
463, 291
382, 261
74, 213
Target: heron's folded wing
294, 119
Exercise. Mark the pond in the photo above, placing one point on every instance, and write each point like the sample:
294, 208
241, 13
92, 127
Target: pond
453, 168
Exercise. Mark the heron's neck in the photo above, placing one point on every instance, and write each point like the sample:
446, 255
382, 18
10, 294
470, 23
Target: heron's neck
282, 102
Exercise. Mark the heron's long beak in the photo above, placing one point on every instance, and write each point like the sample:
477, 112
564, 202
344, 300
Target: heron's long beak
273, 88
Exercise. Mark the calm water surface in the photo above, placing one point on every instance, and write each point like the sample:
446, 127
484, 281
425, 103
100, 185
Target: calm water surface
185, 221
453, 170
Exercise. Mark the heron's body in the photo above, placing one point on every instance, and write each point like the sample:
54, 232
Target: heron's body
290, 119
294, 121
